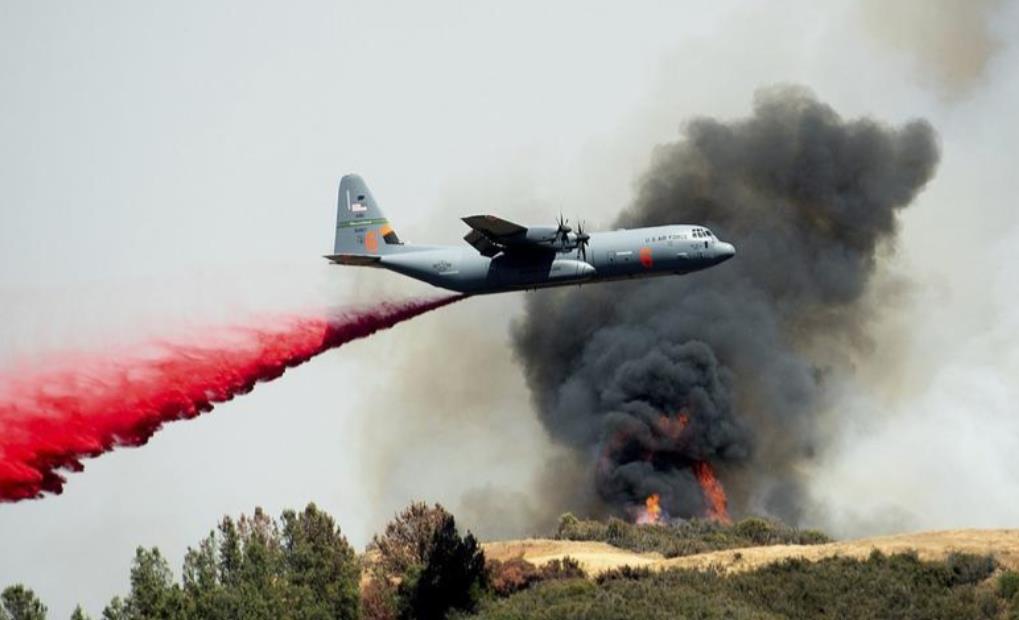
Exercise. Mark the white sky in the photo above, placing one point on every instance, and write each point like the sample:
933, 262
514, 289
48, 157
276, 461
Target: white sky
176, 163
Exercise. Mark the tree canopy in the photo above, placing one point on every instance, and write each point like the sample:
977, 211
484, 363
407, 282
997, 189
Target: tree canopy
20, 603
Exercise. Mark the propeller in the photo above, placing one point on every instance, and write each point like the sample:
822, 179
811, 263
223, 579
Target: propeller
563, 231
582, 240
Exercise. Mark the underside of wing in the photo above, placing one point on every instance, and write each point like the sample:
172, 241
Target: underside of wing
491, 235
483, 244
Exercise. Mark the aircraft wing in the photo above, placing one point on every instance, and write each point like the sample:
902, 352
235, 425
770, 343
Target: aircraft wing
490, 235
494, 227
482, 243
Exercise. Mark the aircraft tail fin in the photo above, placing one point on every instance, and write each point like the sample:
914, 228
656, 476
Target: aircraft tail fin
361, 227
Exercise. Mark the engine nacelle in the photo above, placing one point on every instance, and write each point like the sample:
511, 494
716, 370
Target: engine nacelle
569, 269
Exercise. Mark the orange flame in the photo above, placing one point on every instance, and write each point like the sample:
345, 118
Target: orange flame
714, 494
651, 513
673, 427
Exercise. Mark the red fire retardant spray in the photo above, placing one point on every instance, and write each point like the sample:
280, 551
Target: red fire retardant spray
51, 420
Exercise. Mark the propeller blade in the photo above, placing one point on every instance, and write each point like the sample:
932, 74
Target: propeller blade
582, 240
562, 230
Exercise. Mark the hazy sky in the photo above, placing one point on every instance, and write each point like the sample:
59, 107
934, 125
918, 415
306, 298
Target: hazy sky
168, 164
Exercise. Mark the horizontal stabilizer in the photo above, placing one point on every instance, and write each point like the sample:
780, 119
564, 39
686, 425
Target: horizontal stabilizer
360, 260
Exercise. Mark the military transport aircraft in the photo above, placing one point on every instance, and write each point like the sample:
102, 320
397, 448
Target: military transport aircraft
508, 257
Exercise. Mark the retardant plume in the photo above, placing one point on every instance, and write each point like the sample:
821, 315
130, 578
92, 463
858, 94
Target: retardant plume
51, 420
664, 381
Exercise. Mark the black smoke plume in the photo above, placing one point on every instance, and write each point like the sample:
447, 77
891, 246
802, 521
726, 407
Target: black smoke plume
733, 365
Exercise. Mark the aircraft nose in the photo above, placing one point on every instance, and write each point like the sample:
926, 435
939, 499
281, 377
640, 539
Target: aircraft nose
726, 251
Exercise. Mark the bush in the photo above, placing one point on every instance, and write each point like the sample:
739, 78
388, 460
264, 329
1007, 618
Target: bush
755, 529
966, 568
512, 575
632, 573
686, 537
813, 537
516, 574
1008, 584
565, 568
881, 586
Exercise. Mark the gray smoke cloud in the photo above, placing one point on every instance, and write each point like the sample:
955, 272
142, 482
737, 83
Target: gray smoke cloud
735, 365
951, 42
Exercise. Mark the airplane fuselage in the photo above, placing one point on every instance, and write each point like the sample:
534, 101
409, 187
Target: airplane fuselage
504, 256
614, 255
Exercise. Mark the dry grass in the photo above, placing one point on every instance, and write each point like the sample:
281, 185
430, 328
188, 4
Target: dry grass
595, 557
598, 557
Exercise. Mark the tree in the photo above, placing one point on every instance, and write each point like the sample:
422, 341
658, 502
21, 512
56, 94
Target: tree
153, 593
321, 565
238, 573
115, 610
453, 577
407, 541
229, 553
79, 614
397, 557
255, 567
299, 567
20, 603
203, 593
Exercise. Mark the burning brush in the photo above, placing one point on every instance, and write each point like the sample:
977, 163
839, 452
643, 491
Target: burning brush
665, 454
714, 498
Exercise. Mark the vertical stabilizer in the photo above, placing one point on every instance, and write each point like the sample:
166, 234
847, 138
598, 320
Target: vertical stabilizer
361, 227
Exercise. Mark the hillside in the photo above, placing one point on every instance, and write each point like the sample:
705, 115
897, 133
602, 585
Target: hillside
598, 557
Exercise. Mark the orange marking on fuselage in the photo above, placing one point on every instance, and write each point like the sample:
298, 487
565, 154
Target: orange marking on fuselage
645, 258
371, 241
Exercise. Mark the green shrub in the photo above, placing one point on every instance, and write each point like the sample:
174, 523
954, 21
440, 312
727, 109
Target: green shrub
754, 529
686, 537
987, 604
624, 572
565, 568
567, 521
966, 568
881, 586
1008, 584
813, 537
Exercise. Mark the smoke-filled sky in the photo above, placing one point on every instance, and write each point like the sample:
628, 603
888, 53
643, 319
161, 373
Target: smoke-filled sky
169, 166
735, 365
